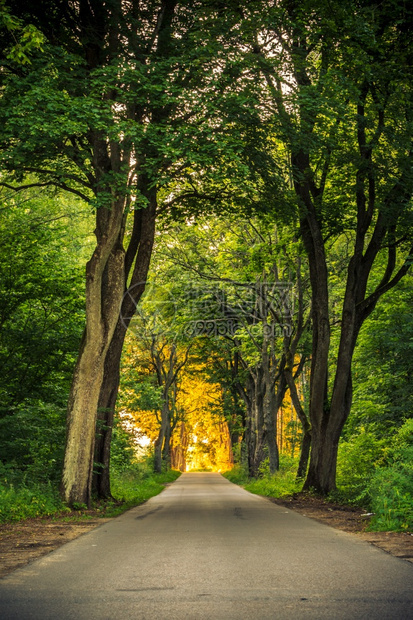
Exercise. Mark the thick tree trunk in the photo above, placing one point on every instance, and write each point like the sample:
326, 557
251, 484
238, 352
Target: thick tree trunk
178, 453
104, 273
105, 414
318, 406
140, 245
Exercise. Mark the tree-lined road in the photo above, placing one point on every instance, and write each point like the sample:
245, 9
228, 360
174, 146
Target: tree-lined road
207, 549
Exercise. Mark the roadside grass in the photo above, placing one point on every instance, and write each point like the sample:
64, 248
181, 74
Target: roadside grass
21, 500
280, 484
26, 501
370, 475
133, 487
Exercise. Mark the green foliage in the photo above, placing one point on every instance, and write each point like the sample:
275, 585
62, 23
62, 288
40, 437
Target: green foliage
32, 441
357, 461
279, 484
391, 486
41, 297
123, 449
20, 501
238, 474
26, 39
138, 484
392, 497
383, 395
378, 475
41, 321
132, 478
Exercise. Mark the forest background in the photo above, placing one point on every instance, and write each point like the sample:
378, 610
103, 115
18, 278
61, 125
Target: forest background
237, 181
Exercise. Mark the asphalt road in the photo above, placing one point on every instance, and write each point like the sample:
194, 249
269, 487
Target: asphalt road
207, 549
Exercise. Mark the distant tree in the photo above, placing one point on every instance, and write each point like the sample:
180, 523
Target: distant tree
246, 276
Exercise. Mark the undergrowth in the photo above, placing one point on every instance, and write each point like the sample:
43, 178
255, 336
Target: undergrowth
21, 498
282, 483
370, 474
24, 501
136, 485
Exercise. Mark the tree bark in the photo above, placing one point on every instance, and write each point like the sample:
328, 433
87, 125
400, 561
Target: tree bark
140, 245
104, 270
159, 443
305, 423
258, 413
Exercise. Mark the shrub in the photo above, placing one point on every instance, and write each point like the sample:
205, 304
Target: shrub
22, 502
358, 459
391, 486
138, 484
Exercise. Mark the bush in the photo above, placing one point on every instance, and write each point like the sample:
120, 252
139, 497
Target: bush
238, 474
391, 486
357, 461
22, 502
32, 442
138, 484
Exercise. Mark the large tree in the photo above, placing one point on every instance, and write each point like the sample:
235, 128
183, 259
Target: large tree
336, 147
108, 111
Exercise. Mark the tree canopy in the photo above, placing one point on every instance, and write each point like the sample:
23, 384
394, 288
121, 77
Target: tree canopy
245, 150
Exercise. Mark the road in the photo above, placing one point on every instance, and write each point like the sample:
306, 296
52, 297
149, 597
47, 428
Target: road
206, 549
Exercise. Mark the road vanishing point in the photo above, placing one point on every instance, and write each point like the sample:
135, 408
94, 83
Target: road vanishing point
207, 549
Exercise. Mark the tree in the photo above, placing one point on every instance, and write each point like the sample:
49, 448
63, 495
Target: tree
109, 112
336, 135
243, 274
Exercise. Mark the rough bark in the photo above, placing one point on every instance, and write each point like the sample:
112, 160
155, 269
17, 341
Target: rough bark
106, 263
178, 452
140, 250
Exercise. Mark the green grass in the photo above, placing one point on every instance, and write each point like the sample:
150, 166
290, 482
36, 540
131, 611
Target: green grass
279, 484
19, 502
135, 485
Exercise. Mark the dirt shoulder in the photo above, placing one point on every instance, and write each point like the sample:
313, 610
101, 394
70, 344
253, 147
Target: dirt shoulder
349, 519
23, 542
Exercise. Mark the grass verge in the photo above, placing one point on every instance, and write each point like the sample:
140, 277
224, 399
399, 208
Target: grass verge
280, 484
129, 488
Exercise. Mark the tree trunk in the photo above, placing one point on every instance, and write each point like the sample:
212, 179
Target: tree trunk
250, 426
304, 455
270, 422
140, 245
306, 440
314, 245
260, 434
104, 274
166, 451
105, 415
159, 443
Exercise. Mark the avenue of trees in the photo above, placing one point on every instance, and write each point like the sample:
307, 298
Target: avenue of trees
237, 179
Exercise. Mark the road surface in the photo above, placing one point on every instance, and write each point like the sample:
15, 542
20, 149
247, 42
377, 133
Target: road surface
206, 549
